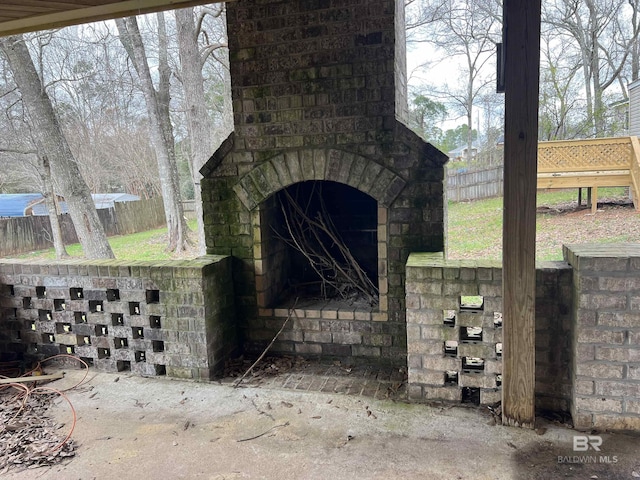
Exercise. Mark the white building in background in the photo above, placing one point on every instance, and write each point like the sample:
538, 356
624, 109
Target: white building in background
634, 108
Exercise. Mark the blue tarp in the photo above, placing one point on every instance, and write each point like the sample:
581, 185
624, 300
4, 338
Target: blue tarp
14, 204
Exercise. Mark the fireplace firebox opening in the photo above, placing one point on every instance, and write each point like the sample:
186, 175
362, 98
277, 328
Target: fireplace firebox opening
318, 243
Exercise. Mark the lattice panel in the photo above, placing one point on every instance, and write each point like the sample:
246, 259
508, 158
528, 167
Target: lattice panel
584, 155
635, 172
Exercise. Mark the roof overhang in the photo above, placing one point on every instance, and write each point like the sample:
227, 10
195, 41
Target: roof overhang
21, 16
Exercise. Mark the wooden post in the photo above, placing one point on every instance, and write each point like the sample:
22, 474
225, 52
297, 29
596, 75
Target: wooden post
522, 65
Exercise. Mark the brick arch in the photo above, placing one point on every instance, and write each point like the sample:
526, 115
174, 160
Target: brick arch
296, 166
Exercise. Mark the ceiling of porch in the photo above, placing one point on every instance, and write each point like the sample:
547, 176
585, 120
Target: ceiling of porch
20, 16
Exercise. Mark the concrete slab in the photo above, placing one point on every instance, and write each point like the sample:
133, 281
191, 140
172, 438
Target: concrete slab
133, 427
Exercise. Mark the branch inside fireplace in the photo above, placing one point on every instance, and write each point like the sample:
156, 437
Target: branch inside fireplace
308, 227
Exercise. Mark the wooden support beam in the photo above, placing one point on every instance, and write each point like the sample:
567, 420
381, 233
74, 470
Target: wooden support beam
522, 66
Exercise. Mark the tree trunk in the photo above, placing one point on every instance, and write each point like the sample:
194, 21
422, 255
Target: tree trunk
199, 123
176, 225
51, 143
52, 207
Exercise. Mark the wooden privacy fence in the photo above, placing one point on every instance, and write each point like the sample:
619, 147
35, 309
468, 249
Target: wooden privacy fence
474, 183
27, 234
592, 163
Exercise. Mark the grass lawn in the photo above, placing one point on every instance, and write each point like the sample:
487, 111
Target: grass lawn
150, 245
474, 229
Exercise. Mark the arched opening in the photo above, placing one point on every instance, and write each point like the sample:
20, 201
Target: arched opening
319, 245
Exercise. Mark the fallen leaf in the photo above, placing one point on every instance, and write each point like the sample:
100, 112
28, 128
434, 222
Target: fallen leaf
317, 417
286, 404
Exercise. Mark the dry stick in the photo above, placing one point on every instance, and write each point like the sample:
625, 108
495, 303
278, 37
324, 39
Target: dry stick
325, 260
292, 309
325, 219
346, 255
361, 283
34, 378
324, 224
263, 433
297, 237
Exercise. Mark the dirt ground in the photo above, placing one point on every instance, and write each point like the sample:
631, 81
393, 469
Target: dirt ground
133, 427
616, 221
567, 224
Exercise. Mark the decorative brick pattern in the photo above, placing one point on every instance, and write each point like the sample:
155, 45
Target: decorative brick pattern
151, 319
454, 349
317, 164
606, 365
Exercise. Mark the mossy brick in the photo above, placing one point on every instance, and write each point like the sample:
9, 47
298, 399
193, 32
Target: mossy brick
473, 380
483, 350
381, 184
308, 348
280, 166
366, 351
471, 319
424, 288
180, 372
425, 348
379, 340
426, 377
319, 164
490, 290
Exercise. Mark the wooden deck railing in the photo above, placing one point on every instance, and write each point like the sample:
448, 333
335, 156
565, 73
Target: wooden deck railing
592, 163
635, 171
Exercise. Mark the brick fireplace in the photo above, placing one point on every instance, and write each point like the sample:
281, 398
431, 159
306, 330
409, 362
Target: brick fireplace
319, 98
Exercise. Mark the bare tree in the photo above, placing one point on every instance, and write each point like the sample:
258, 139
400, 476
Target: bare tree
199, 124
605, 36
162, 142
50, 199
466, 31
51, 144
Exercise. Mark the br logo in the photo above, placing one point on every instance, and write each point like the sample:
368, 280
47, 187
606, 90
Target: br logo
582, 443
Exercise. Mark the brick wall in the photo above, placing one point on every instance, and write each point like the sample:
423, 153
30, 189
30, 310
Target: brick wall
449, 359
174, 319
606, 365
317, 88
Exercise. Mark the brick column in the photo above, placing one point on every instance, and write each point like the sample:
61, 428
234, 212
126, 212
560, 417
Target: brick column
606, 338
